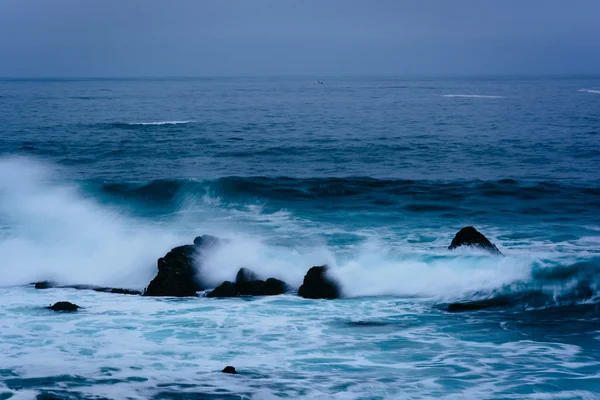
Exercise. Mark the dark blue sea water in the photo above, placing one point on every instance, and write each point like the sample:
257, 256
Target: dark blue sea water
99, 178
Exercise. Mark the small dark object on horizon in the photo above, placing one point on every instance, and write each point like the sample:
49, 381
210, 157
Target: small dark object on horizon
229, 370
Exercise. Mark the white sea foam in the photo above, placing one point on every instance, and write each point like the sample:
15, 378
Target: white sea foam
371, 269
52, 231
474, 96
595, 91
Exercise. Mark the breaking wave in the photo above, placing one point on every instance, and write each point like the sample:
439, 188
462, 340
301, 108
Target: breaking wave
58, 231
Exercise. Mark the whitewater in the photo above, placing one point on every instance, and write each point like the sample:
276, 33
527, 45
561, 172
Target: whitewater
291, 176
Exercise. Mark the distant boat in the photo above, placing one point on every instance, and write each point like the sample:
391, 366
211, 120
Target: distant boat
318, 82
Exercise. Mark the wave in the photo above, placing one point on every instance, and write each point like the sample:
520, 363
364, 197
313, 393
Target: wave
595, 91
364, 193
55, 231
147, 124
474, 96
162, 123
50, 231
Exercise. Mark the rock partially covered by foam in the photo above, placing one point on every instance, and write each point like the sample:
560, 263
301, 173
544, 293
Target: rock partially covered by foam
44, 285
248, 284
470, 236
64, 306
178, 270
317, 285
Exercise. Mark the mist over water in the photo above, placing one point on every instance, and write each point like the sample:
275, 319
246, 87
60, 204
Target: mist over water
370, 177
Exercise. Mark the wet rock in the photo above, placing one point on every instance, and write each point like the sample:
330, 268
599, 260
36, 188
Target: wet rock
176, 274
206, 241
118, 291
178, 270
245, 275
44, 285
248, 284
64, 306
470, 236
274, 287
226, 289
49, 284
317, 285
229, 370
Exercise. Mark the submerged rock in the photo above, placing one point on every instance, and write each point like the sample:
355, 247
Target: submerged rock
470, 236
229, 370
49, 285
317, 285
118, 291
64, 306
248, 284
178, 269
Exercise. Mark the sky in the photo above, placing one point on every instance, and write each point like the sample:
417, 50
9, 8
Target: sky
189, 38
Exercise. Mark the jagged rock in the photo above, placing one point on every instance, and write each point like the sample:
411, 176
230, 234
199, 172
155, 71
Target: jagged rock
178, 269
229, 370
470, 236
317, 285
226, 289
64, 306
247, 284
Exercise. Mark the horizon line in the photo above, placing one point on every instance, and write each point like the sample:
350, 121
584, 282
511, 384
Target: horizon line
307, 76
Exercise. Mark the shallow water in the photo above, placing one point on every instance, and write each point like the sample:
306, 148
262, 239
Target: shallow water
99, 178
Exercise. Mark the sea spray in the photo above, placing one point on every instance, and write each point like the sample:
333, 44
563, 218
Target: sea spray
55, 233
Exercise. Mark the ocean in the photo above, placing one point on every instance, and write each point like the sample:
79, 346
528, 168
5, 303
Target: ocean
372, 177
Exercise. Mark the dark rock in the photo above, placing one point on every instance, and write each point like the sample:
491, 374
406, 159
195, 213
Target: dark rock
470, 236
250, 288
317, 285
64, 306
176, 274
49, 284
226, 289
206, 241
229, 370
274, 287
247, 284
78, 287
125, 291
117, 291
178, 270
245, 275
45, 285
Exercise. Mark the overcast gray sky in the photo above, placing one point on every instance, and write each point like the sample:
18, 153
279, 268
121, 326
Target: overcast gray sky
95, 38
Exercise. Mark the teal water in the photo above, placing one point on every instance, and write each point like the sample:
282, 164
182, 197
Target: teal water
99, 178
